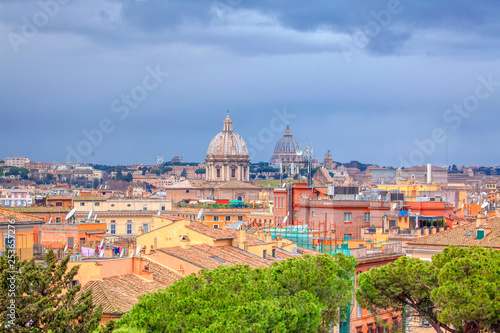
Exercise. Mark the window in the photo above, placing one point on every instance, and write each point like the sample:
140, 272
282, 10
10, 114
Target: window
113, 229
228, 218
313, 213
59, 204
129, 229
216, 218
218, 173
145, 227
347, 236
296, 214
73, 284
97, 204
233, 173
70, 242
264, 254
347, 217
9, 241
216, 226
274, 253
162, 207
358, 310
144, 207
82, 203
367, 217
240, 218
128, 205
112, 205
58, 220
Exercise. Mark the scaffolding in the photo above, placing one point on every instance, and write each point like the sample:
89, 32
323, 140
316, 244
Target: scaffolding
316, 240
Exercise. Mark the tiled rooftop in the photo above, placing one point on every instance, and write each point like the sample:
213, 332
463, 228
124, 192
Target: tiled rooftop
59, 197
211, 232
6, 216
458, 236
40, 209
210, 257
118, 294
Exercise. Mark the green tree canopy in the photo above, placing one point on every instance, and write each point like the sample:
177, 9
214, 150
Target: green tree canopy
302, 294
41, 297
200, 171
459, 291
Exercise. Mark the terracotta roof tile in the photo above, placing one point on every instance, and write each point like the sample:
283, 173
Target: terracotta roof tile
211, 232
210, 257
458, 236
6, 216
118, 294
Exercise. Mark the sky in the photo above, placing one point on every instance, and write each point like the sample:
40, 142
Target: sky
394, 83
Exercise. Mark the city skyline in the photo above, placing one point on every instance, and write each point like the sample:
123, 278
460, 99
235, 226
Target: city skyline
385, 99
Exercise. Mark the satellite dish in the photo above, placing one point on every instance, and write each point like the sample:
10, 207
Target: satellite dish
463, 205
65, 249
395, 206
50, 220
299, 152
159, 213
102, 242
90, 214
138, 250
95, 217
285, 219
70, 214
200, 214
484, 205
121, 254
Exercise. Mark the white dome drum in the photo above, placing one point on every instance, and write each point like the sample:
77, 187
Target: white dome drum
227, 156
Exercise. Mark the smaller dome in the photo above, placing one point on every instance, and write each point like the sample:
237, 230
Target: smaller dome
227, 143
287, 144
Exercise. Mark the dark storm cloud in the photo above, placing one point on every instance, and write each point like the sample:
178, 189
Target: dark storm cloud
252, 57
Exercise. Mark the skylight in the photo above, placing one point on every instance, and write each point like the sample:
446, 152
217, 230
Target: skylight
218, 259
469, 233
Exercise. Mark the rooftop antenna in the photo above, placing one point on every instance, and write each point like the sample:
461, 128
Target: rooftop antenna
200, 214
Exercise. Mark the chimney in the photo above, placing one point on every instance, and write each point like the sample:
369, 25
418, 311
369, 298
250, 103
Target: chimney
267, 237
481, 219
181, 270
426, 231
279, 241
185, 242
260, 234
242, 237
432, 230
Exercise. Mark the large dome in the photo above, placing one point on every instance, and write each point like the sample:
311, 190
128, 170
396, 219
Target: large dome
227, 143
287, 144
